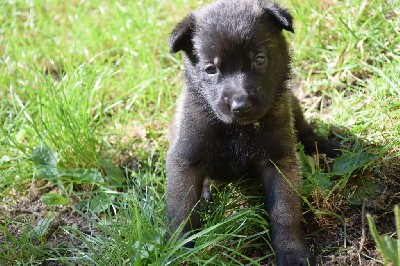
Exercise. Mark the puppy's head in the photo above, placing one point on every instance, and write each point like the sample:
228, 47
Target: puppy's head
237, 59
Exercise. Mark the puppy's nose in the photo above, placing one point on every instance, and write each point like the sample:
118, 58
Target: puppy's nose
241, 106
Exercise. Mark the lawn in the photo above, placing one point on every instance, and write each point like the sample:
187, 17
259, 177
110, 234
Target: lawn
87, 92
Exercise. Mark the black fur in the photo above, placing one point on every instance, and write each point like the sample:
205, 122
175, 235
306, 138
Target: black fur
237, 116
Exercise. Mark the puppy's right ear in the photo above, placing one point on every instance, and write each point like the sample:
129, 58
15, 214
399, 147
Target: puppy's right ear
181, 36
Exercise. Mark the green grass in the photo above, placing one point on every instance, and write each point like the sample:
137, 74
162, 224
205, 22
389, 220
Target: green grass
93, 81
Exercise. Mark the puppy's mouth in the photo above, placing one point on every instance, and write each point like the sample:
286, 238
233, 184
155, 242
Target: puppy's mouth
245, 120
249, 117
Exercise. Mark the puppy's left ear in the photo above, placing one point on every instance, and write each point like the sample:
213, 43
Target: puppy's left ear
280, 15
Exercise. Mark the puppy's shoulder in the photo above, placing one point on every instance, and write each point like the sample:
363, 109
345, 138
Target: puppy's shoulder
175, 125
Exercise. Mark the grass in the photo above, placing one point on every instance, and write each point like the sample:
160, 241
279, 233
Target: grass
87, 90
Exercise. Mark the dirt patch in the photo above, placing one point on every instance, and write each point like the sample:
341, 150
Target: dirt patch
21, 212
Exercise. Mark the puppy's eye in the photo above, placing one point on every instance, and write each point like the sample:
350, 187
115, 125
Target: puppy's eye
260, 60
211, 70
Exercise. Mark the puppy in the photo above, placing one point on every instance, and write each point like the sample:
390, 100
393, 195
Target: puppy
237, 116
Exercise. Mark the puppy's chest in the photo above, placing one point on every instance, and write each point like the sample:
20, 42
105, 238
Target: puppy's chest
235, 152
245, 147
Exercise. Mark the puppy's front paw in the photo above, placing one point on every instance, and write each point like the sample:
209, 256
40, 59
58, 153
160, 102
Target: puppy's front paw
299, 257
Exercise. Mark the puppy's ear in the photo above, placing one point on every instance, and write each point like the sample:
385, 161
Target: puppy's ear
181, 36
273, 11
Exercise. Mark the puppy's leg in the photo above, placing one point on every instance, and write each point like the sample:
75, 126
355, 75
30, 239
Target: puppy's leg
283, 206
307, 136
184, 186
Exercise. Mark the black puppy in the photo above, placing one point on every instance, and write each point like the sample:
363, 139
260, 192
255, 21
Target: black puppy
237, 116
